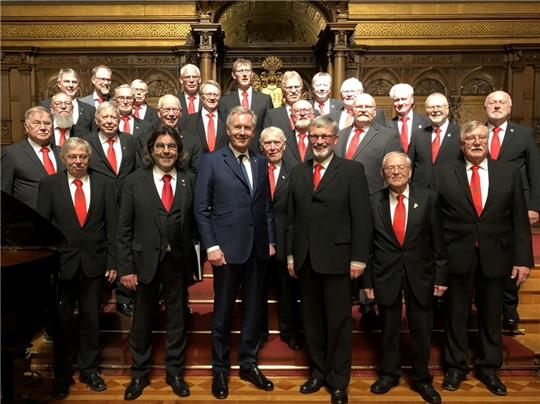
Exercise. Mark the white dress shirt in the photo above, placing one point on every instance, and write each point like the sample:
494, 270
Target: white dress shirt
85, 187
37, 150
484, 178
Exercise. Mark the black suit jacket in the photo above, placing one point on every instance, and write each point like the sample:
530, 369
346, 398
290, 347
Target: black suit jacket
502, 231
424, 168
145, 228
193, 128
332, 224
92, 246
291, 155
280, 203
335, 105
419, 122
279, 118
519, 147
74, 131
87, 114
423, 254
22, 170
182, 97
151, 118
374, 145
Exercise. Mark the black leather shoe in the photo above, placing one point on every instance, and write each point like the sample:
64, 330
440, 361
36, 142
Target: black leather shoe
220, 390
293, 343
127, 309
339, 396
256, 377
136, 388
428, 393
179, 386
452, 379
510, 319
94, 381
383, 384
312, 385
61, 388
492, 382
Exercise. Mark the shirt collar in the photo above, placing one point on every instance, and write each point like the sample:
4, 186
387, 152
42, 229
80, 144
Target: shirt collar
324, 163
36, 146
71, 178
159, 173
237, 153
104, 138
502, 126
483, 165
404, 193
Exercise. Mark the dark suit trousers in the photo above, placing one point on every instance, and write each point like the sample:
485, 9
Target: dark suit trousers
87, 292
511, 295
251, 276
170, 274
488, 294
420, 319
327, 320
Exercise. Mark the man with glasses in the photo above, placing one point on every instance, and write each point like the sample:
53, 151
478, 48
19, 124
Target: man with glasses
124, 99
328, 239
62, 111
488, 240
190, 79
292, 86
298, 149
321, 87
141, 109
101, 79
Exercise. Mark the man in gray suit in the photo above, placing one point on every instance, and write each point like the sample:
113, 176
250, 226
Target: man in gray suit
321, 85
101, 79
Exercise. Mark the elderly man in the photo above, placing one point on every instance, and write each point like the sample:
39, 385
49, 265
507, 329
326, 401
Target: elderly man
321, 87
509, 141
407, 124
141, 109
235, 221
68, 83
155, 247
366, 141
488, 239
88, 255
328, 238
292, 86
124, 99
62, 112
101, 79
246, 96
273, 143
24, 164
435, 143
297, 140
408, 261
207, 125
190, 79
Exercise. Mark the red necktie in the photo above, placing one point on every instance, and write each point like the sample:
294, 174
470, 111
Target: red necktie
136, 109
100, 99
317, 176
62, 139
495, 148
404, 134
302, 145
476, 190
435, 145
211, 133
49, 166
271, 179
191, 105
399, 220
127, 128
80, 202
353, 145
321, 108
111, 155
166, 194
245, 100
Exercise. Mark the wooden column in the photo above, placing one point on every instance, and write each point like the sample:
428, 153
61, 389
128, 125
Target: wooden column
342, 31
210, 38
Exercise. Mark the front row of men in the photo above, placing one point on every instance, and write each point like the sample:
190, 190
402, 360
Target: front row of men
469, 233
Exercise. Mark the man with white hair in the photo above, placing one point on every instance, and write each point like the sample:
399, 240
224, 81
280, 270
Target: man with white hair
321, 86
292, 86
190, 79
141, 109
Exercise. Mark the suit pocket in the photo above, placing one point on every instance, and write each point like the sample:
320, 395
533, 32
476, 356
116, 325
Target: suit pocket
342, 238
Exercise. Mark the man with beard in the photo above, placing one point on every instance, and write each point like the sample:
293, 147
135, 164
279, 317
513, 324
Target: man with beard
291, 85
141, 109
101, 79
190, 78
62, 111
68, 83
297, 140
509, 141
328, 239
321, 86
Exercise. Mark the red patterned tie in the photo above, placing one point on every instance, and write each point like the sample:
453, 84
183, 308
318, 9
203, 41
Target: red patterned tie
136, 109
476, 190
272, 179
191, 105
404, 135
80, 202
167, 194
245, 100
495, 148
317, 176
435, 145
49, 166
111, 155
399, 220
211, 133
302, 145
353, 145
62, 139
127, 128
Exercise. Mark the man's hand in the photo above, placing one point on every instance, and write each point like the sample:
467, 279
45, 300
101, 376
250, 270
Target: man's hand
533, 216
110, 274
520, 274
356, 271
216, 258
439, 290
272, 250
370, 293
130, 281
292, 272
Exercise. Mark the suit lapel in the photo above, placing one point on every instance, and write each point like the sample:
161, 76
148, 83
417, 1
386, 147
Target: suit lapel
508, 137
331, 171
234, 165
29, 150
96, 142
366, 139
179, 200
384, 214
460, 170
492, 167
254, 162
200, 131
66, 195
152, 196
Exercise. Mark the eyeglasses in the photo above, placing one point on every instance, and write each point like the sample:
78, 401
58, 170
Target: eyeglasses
243, 71
362, 107
73, 157
163, 146
123, 98
495, 102
170, 110
434, 107
62, 103
401, 168
191, 77
106, 80
300, 110
276, 143
211, 95
473, 138
40, 123
293, 87
324, 138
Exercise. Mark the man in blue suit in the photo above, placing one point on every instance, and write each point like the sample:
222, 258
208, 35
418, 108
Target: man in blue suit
234, 215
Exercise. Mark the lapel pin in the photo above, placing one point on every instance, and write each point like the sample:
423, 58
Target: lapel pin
415, 206
419, 126
183, 182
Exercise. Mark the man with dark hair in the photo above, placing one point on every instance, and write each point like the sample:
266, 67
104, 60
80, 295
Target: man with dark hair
102, 80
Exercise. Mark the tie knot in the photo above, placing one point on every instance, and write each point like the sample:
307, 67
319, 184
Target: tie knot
496, 130
191, 97
45, 149
210, 115
438, 131
101, 99
241, 158
475, 169
358, 131
125, 118
110, 141
400, 197
166, 178
404, 119
271, 167
302, 135
136, 107
77, 182
318, 167
244, 94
